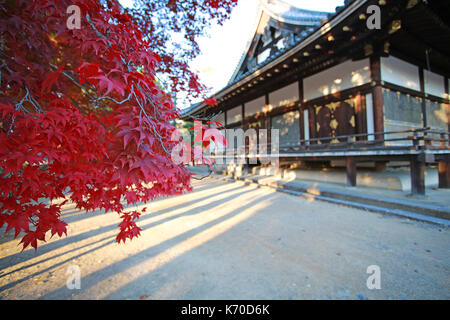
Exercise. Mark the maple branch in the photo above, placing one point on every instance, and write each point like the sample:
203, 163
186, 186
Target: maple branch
166, 152
99, 34
208, 175
141, 106
28, 98
32, 221
114, 100
95, 100
123, 61
153, 126
4, 64
71, 78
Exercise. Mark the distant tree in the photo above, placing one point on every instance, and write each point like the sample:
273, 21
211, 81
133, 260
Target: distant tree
188, 19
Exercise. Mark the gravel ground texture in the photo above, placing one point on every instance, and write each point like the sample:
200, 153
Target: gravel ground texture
233, 241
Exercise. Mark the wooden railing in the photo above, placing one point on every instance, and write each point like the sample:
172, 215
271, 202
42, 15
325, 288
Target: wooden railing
421, 138
414, 139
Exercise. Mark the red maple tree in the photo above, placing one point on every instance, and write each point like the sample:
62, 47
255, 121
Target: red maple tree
82, 116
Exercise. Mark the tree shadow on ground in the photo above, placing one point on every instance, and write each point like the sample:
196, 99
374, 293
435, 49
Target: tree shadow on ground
21, 257
98, 276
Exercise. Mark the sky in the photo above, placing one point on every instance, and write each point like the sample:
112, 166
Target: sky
222, 49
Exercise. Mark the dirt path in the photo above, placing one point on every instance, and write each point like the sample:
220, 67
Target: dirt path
234, 241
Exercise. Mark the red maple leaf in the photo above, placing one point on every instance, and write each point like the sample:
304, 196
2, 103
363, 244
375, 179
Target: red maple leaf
82, 113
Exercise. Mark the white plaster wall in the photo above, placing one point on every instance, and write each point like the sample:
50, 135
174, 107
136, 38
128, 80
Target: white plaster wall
219, 118
284, 96
434, 84
234, 115
400, 72
254, 106
346, 75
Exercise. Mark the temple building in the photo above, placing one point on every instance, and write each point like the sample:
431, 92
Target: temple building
366, 85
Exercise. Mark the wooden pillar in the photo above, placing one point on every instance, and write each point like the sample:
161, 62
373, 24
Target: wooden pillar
446, 87
417, 169
244, 128
299, 108
424, 103
225, 117
244, 121
444, 165
447, 93
351, 171
377, 96
267, 126
312, 123
444, 174
360, 115
267, 123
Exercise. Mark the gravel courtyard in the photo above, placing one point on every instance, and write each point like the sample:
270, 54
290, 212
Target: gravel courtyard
233, 241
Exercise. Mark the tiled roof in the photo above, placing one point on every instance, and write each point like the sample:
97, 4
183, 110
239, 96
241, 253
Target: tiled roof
285, 13
295, 42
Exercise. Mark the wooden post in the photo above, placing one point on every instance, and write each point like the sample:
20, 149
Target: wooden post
447, 93
360, 116
244, 127
244, 122
225, 118
422, 90
417, 169
299, 108
351, 171
377, 96
312, 124
444, 174
268, 125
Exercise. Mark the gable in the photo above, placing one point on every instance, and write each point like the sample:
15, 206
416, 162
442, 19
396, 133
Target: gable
280, 26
